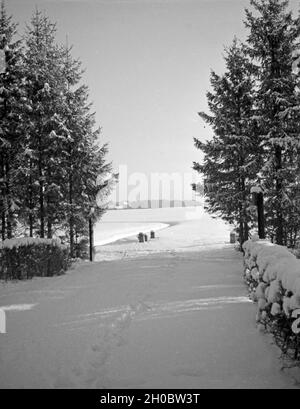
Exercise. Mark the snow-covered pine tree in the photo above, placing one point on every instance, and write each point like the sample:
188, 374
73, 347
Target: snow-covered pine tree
11, 102
230, 158
272, 42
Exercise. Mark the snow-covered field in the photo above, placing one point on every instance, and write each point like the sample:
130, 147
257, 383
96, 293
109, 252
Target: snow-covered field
177, 316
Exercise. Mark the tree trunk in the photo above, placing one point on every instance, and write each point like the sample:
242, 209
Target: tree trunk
42, 210
244, 211
49, 209
243, 225
41, 193
246, 231
241, 231
3, 225
8, 196
49, 229
30, 204
3, 194
71, 220
49, 219
279, 215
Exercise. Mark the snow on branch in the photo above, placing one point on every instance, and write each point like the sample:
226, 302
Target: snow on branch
256, 189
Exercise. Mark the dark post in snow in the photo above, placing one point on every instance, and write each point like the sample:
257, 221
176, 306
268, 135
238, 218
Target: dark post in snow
258, 200
91, 234
260, 216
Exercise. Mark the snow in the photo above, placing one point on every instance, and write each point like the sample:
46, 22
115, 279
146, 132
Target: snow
276, 309
274, 293
274, 263
28, 241
18, 307
256, 189
46, 87
174, 315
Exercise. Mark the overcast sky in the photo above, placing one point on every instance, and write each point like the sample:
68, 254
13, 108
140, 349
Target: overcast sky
147, 65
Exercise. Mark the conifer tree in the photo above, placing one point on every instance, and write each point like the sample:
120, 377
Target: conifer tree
11, 101
272, 42
51, 157
84, 156
230, 158
45, 125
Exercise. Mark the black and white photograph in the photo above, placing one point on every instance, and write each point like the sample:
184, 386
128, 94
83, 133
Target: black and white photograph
149, 198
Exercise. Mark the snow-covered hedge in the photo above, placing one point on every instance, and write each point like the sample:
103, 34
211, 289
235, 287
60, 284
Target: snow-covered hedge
272, 273
28, 257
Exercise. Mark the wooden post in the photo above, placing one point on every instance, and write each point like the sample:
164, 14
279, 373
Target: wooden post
260, 216
258, 201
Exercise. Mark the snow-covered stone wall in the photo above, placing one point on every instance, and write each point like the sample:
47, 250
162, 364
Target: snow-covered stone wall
272, 273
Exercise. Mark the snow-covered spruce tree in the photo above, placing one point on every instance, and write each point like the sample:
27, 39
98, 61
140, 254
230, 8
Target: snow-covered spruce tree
230, 158
62, 158
11, 135
272, 42
44, 127
72, 114
83, 156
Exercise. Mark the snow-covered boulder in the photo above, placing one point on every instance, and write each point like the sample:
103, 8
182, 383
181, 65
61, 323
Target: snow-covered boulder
275, 309
274, 293
260, 290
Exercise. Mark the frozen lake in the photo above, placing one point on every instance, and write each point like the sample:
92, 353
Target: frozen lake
118, 224
177, 229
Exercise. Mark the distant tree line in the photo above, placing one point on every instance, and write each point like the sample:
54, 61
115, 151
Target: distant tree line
51, 161
255, 116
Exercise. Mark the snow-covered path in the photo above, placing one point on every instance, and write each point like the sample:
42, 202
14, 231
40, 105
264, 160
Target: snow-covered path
167, 320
